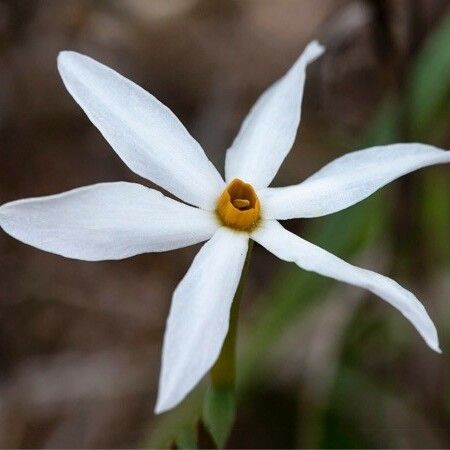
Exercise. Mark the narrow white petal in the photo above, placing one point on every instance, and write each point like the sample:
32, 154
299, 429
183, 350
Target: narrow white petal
106, 221
269, 130
290, 247
199, 316
144, 133
348, 180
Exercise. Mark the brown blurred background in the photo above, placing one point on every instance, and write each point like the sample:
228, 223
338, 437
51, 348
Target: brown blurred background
80, 342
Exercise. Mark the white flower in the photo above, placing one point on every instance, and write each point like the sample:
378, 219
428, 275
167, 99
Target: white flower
118, 220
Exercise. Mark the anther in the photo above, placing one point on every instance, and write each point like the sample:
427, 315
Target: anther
241, 203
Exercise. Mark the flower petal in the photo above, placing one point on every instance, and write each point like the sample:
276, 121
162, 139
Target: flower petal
144, 133
290, 247
199, 316
348, 180
269, 130
106, 221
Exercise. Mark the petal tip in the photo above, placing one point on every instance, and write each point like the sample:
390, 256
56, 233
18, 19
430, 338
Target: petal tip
2, 217
66, 57
63, 54
437, 349
314, 50
158, 409
163, 405
5, 212
433, 343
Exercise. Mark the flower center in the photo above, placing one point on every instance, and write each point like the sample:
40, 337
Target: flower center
238, 207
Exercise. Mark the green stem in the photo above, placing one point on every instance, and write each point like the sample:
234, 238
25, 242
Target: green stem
219, 406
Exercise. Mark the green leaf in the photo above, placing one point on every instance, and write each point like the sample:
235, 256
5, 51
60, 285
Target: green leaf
429, 86
219, 410
384, 128
435, 215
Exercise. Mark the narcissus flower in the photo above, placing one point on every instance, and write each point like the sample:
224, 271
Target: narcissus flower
118, 220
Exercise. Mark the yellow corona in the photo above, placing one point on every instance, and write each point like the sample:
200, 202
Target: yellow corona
238, 207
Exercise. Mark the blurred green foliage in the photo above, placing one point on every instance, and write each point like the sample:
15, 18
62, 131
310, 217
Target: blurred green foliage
429, 86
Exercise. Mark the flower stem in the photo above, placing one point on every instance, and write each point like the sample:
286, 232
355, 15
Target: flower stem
220, 405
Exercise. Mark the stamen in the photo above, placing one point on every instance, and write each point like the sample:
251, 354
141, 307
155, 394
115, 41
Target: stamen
241, 203
238, 207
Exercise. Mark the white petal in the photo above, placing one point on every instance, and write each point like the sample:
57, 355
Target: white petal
348, 180
290, 247
199, 316
269, 130
106, 221
143, 132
